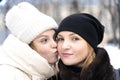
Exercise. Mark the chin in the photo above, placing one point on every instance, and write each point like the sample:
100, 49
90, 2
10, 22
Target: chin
68, 63
53, 62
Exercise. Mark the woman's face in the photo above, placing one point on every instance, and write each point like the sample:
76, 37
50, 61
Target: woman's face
46, 46
72, 48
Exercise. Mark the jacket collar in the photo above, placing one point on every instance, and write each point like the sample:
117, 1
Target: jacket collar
21, 56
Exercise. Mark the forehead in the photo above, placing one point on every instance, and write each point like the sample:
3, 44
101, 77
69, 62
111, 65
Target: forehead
47, 32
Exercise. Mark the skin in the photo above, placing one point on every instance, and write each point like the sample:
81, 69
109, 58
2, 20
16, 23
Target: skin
46, 46
72, 48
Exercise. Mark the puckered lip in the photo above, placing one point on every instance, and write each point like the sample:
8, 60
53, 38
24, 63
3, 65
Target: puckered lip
56, 52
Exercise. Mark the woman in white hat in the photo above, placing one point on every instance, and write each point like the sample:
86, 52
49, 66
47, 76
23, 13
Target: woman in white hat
30, 51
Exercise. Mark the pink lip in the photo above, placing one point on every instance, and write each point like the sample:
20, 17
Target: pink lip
66, 54
56, 53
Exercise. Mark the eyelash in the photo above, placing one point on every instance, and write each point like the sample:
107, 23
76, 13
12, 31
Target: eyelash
43, 40
59, 39
73, 39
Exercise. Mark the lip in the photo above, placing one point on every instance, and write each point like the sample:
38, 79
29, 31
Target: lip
56, 52
66, 54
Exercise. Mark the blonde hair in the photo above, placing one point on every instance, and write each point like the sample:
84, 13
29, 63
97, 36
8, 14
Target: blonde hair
88, 60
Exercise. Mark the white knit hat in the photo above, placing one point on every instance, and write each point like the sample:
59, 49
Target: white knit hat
26, 22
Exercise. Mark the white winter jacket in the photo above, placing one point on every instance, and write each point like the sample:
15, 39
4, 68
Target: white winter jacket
19, 62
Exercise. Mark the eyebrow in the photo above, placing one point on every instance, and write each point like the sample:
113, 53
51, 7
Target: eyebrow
40, 36
69, 34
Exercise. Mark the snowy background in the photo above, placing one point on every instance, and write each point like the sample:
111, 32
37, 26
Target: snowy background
114, 54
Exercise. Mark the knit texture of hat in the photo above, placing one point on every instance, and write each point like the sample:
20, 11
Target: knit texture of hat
85, 25
26, 22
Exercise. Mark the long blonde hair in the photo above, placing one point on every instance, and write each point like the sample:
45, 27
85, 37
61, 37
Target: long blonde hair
88, 60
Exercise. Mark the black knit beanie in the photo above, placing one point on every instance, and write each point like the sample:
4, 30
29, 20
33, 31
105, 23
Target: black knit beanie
85, 25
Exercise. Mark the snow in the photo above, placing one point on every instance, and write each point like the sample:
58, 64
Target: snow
3, 2
114, 54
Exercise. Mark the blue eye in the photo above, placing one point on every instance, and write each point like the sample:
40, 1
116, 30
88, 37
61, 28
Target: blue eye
44, 40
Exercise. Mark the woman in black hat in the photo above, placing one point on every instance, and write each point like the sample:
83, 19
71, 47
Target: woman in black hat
78, 38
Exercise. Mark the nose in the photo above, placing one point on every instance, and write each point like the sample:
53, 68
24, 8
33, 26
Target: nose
66, 45
54, 44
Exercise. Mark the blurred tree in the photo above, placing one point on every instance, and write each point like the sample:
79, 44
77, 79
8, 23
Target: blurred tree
75, 6
118, 7
110, 6
114, 17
